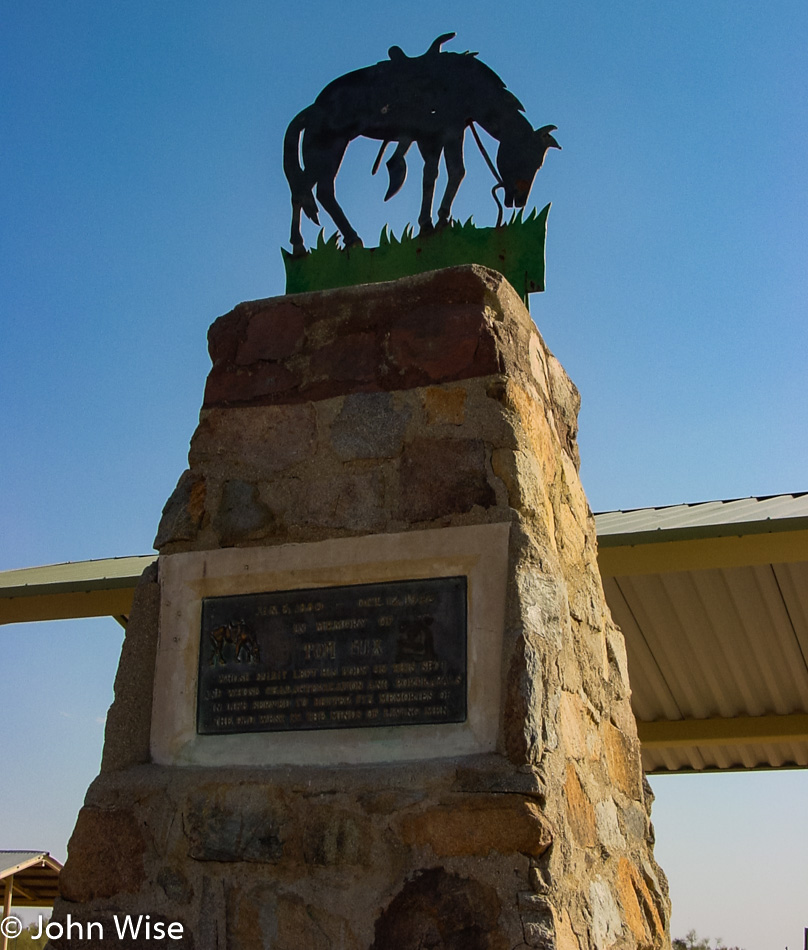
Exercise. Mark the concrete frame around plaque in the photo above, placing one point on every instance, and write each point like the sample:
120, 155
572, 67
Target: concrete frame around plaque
480, 553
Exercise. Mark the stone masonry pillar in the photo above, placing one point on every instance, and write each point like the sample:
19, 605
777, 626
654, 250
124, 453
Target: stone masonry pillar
413, 429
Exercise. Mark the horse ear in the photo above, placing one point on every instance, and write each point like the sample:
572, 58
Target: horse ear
544, 138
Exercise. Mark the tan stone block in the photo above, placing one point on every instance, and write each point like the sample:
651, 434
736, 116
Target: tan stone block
264, 439
618, 661
570, 538
235, 824
304, 925
476, 825
445, 405
609, 833
622, 761
567, 401
508, 466
244, 920
128, 729
348, 499
538, 363
541, 437
438, 909
565, 935
335, 837
522, 716
257, 917
580, 813
639, 909
241, 515
440, 477
575, 496
183, 512
105, 856
573, 721
369, 426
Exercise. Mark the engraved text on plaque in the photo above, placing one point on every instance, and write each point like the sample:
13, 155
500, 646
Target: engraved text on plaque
385, 654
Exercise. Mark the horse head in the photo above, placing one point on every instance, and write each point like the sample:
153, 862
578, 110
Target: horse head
518, 160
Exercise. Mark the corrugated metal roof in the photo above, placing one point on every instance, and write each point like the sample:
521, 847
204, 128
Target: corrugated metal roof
718, 645
761, 511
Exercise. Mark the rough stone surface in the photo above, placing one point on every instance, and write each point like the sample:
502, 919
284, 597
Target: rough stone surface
126, 736
439, 909
109, 847
429, 403
368, 427
506, 824
440, 478
441, 327
183, 512
444, 405
581, 819
241, 516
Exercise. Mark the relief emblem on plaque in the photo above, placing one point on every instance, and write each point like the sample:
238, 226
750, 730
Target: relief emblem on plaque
390, 654
232, 641
415, 640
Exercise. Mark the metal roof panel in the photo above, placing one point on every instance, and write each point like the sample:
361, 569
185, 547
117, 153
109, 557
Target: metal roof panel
703, 514
104, 573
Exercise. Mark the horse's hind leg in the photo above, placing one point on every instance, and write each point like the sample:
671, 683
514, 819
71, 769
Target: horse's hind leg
323, 160
328, 200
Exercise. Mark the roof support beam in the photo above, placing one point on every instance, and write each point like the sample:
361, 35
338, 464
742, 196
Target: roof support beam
618, 554
66, 606
6, 910
741, 730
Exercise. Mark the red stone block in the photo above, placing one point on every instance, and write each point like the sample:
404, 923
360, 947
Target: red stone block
439, 344
228, 385
351, 358
272, 334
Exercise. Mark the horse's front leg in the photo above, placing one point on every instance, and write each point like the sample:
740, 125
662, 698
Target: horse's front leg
296, 238
456, 172
431, 156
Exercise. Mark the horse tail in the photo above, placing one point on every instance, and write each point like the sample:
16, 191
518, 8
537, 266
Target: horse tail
301, 189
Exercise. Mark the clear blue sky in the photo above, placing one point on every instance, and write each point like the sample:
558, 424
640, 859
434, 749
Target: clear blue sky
143, 196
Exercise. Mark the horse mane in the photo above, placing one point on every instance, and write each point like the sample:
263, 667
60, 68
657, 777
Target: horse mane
475, 73
465, 64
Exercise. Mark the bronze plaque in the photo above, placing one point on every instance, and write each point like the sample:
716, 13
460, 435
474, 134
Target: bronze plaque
390, 654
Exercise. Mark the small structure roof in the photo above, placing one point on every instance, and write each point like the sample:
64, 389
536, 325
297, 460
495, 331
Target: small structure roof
712, 599
34, 877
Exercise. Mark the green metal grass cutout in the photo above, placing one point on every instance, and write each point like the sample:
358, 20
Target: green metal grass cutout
515, 249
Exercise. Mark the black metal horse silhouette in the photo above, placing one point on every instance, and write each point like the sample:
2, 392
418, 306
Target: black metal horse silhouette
430, 100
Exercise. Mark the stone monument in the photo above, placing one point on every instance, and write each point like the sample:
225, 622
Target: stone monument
371, 696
